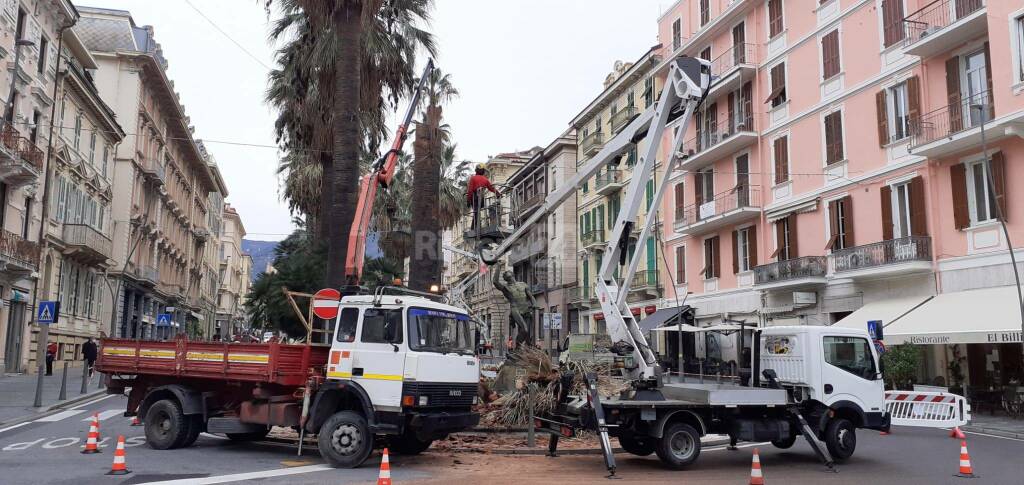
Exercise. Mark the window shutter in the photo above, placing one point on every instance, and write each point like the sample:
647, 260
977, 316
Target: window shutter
601, 224
752, 245
988, 77
681, 265
781, 160
837, 136
793, 252
733, 123
953, 93
833, 224
881, 112
998, 165
747, 100
830, 54
707, 270
735, 251
774, 17
887, 212
680, 195
716, 266
712, 120
780, 239
848, 221
914, 103
958, 184
918, 226
698, 190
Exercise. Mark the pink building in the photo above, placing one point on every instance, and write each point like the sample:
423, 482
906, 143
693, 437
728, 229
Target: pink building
836, 173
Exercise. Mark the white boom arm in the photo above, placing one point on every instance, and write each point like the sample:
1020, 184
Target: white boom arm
687, 83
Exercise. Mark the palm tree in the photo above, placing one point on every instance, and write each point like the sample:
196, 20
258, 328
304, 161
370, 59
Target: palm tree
425, 266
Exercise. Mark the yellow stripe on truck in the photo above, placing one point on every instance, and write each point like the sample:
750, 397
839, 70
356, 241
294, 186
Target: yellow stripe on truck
205, 356
253, 358
376, 377
157, 354
118, 351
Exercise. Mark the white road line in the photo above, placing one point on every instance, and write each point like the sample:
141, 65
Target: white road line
106, 414
280, 472
89, 403
15, 426
968, 432
59, 416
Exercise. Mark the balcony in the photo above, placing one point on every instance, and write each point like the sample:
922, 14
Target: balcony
791, 273
86, 244
608, 182
17, 255
591, 144
153, 172
882, 259
726, 209
149, 275
21, 161
622, 117
593, 239
955, 127
527, 206
581, 296
732, 68
944, 25
645, 284
714, 142
201, 233
539, 281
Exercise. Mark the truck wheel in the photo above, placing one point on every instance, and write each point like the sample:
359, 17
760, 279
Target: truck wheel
195, 427
252, 436
166, 426
784, 443
345, 440
638, 445
679, 446
841, 439
409, 445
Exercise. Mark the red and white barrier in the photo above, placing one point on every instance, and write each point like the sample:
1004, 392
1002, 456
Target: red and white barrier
927, 409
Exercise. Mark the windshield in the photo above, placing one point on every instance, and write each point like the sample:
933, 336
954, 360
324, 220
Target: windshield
440, 331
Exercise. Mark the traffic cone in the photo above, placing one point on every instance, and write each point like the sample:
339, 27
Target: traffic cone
92, 441
135, 421
756, 478
966, 471
884, 433
119, 467
956, 433
384, 478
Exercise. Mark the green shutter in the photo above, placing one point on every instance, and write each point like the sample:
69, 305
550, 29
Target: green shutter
585, 188
586, 279
650, 194
600, 216
652, 260
582, 227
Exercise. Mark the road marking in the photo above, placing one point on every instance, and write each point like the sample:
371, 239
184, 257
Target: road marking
968, 432
280, 472
16, 426
59, 416
60, 443
105, 414
89, 403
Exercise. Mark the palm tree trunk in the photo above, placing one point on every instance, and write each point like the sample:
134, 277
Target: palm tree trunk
342, 177
425, 263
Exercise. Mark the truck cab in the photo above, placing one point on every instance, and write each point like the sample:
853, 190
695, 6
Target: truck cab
408, 364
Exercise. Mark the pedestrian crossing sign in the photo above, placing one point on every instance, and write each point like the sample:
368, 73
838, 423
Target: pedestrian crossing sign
48, 312
163, 320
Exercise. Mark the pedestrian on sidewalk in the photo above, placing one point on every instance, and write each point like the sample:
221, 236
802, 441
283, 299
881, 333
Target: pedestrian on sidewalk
89, 352
51, 353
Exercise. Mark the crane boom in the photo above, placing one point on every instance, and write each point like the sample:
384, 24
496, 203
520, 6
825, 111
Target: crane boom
381, 174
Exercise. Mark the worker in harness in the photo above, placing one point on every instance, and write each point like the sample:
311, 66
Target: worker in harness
474, 200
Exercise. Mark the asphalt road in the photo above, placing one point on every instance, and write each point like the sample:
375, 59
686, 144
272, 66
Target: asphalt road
47, 450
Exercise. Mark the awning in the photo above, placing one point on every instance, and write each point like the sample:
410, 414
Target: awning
661, 318
888, 311
990, 315
725, 328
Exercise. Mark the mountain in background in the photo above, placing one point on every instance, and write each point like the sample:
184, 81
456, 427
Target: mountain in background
262, 253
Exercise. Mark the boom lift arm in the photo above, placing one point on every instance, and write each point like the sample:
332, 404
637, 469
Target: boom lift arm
380, 176
687, 84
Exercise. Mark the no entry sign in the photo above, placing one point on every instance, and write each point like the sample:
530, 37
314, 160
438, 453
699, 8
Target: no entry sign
325, 303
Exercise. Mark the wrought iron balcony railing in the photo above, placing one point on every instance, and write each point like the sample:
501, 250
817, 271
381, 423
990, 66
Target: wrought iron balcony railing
724, 202
882, 253
935, 16
622, 117
791, 269
960, 115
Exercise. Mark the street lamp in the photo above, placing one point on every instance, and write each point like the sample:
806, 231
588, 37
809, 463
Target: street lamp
14, 76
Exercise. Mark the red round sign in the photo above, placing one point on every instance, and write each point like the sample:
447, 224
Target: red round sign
325, 303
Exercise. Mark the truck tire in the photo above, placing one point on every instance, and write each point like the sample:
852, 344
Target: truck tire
784, 443
252, 436
195, 427
679, 446
345, 440
166, 426
409, 445
638, 445
841, 439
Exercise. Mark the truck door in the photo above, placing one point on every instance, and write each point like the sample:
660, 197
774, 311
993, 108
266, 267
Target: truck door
378, 361
849, 372
340, 364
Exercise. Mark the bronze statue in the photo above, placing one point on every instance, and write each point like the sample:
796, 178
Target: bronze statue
521, 305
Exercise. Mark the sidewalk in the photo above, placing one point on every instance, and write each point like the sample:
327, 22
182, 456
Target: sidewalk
1000, 425
18, 391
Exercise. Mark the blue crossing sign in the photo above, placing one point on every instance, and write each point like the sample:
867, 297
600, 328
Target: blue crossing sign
163, 320
48, 312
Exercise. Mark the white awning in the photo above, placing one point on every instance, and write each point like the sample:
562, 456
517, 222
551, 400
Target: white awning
712, 328
675, 328
888, 311
990, 315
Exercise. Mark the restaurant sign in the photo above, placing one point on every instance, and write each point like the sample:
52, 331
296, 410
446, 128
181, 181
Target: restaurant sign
955, 338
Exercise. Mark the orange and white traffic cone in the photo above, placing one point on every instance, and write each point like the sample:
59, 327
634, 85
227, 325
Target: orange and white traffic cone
92, 441
756, 478
384, 478
966, 471
135, 421
956, 433
119, 467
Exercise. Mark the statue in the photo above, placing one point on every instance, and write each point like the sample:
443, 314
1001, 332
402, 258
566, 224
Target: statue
521, 305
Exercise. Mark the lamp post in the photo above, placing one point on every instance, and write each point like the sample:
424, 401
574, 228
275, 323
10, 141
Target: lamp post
983, 116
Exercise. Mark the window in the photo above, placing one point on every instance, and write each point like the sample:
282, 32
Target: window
834, 137
106, 158
892, 22
28, 218
648, 92
840, 219
744, 249
1018, 42
711, 264
92, 147
598, 126
851, 354
43, 44
705, 53
436, 330
830, 54
677, 34
780, 153
900, 202
775, 24
778, 85
630, 99
705, 12
705, 183
347, 320
33, 135
649, 194
382, 326
739, 44
680, 265
679, 197
980, 198
785, 238
974, 82
20, 27
899, 120
78, 131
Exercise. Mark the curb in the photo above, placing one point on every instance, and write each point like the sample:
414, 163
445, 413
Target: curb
993, 432
54, 409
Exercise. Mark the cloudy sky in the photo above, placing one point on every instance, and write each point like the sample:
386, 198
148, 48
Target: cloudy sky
524, 69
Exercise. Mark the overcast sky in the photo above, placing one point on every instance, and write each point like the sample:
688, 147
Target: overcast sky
524, 68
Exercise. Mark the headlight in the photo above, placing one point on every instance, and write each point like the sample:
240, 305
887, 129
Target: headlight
423, 400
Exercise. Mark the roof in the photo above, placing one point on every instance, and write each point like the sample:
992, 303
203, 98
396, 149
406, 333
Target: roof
666, 316
106, 34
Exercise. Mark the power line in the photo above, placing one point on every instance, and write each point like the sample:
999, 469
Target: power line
225, 34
